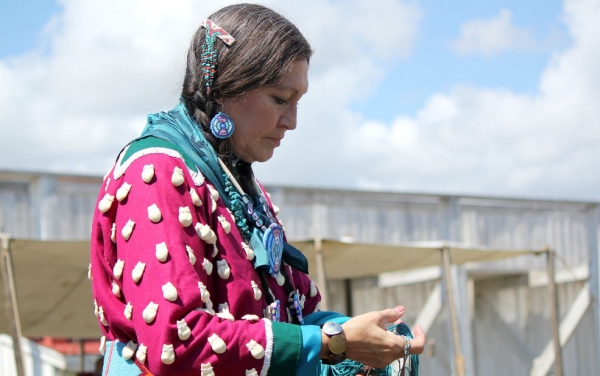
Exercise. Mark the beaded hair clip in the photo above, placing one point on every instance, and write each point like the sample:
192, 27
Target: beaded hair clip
209, 52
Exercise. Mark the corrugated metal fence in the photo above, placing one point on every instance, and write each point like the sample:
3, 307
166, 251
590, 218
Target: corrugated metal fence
507, 321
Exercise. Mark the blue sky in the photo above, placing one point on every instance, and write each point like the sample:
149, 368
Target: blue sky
431, 67
434, 67
21, 23
468, 97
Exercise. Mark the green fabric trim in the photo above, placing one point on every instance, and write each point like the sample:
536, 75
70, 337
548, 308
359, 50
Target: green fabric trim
154, 142
287, 346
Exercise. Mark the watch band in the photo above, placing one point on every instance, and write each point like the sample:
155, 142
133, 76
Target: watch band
337, 343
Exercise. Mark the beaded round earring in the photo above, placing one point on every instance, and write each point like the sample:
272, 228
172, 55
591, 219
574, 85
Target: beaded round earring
221, 126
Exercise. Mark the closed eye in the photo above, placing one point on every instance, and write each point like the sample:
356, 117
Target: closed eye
279, 100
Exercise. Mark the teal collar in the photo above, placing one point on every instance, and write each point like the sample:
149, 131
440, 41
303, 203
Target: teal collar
177, 127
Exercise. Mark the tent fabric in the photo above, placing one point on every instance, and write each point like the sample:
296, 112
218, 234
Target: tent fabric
55, 298
53, 291
354, 260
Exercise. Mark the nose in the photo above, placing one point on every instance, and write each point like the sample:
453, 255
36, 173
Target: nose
289, 118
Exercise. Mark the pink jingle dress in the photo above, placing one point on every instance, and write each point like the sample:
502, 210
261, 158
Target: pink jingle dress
172, 277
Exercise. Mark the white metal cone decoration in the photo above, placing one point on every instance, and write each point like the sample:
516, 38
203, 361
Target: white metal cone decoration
250, 318
149, 313
141, 353
257, 351
215, 251
113, 233
217, 344
224, 312
89, 274
168, 354
206, 233
214, 194
138, 271
154, 213
123, 191
276, 209
204, 294
177, 178
313, 289
102, 348
251, 372
249, 251
208, 266
213, 207
162, 252
129, 350
191, 255
128, 229
101, 316
223, 269
118, 269
106, 202
183, 330
148, 173
169, 292
116, 290
206, 370
255, 290
185, 216
128, 311
195, 198
225, 224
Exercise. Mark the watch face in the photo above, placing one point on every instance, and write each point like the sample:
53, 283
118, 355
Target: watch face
337, 344
332, 328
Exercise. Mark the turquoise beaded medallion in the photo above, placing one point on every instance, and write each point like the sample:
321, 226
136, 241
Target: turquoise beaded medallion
273, 242
221, 126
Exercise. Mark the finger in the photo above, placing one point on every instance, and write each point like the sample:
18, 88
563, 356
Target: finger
390, 315
418, 342
418, 331
398, 322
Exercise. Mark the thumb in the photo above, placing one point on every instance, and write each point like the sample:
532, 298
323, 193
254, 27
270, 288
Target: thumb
418, 331
391, 315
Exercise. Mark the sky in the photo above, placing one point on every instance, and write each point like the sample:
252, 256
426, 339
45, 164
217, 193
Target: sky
491, 98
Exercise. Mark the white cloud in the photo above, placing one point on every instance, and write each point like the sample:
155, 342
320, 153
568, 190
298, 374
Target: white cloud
500, 142
491, 36
109, 63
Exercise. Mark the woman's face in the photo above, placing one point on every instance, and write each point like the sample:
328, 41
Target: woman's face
262, 117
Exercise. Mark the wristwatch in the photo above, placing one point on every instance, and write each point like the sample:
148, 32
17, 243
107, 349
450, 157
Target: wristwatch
337, 343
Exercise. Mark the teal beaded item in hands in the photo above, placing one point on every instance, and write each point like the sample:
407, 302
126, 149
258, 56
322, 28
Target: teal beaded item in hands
352, 368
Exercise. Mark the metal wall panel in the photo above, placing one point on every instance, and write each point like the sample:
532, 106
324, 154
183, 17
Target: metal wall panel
15, 209
510, 323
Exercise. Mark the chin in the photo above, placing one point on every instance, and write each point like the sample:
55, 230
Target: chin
264, 157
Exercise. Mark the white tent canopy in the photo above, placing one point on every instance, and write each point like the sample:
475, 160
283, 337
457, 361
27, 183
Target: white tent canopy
55, 298
354, 260
47, 292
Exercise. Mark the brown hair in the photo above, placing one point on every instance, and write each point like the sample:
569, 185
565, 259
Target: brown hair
266, 45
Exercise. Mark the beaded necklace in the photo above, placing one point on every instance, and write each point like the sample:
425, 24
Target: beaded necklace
264, 221
272, 235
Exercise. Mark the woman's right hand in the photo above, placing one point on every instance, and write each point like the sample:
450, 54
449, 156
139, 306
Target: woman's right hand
370, 343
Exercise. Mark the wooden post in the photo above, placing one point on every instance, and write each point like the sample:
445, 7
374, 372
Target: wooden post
459, 361
349, 300
321, 278
558, 364
12, 309
81, 355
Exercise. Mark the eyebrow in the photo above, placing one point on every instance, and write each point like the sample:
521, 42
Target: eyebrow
287, 88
